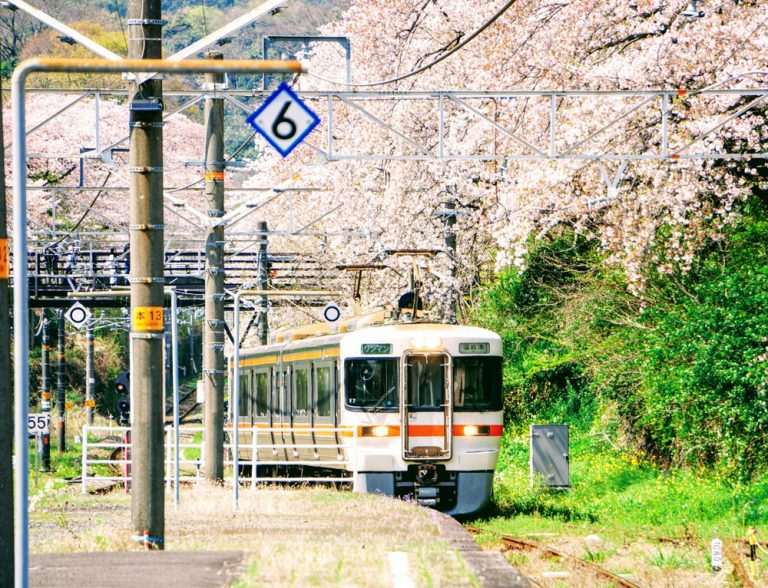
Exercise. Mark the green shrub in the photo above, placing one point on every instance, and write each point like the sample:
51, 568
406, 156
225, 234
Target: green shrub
678, 372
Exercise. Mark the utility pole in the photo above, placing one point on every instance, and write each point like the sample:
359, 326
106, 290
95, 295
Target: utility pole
146, 278
45, 388
90, 374
61, 399
263, 325
213, 325
7, 557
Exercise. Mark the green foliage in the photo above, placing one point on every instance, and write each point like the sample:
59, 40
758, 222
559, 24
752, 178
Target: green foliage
619, 493
680, 371
557, 322
705, 388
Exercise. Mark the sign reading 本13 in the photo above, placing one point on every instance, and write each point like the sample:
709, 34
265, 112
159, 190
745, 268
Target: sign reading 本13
283, 120
4, 265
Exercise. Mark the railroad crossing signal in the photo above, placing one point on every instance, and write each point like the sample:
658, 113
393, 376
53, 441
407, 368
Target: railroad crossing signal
283, 120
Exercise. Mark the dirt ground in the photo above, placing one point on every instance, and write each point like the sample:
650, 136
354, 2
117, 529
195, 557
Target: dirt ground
302, 538
645, 563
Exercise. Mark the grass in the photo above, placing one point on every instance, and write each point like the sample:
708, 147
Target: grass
620, 507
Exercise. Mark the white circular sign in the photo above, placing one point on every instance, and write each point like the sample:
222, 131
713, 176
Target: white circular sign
331, 313
77, 314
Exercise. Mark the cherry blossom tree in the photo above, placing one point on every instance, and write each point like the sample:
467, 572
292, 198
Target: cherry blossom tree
535, 45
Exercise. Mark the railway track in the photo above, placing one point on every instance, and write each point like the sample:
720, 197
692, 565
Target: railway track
526, 545
187, 403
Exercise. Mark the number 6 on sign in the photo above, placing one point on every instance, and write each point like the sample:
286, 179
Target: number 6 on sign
284, 120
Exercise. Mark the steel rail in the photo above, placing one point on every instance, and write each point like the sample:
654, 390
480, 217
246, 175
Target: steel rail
516, 543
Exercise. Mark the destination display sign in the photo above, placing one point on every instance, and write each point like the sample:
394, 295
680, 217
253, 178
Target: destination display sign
376, 348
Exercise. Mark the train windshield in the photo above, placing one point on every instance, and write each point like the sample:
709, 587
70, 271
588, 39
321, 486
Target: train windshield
371, 384
477, 383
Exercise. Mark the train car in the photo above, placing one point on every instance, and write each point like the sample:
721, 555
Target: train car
423, 401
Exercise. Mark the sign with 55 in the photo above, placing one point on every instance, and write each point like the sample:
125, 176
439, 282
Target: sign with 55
38, 423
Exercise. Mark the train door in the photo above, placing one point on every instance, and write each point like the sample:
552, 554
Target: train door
275, 408
286, 418
426, 412
323, 413
260, 409
301, 410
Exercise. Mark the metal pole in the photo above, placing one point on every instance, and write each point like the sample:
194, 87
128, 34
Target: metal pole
235, 402
175, 375
191, 333
61, 399
213, 325
90, 374
45, 389
263, 326
21, 285
6, 392
146, 278
21, 334
450, 248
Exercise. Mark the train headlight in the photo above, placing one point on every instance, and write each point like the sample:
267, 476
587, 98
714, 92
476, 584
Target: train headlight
378, 431
476, 430
426, 343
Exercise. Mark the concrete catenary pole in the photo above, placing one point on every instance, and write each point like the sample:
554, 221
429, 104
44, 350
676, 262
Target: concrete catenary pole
6, 391
90, 374
213, 326
45, 388
263, 324
146, 278
61, 399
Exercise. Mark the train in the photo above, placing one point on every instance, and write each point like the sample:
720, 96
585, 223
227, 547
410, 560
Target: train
409, 409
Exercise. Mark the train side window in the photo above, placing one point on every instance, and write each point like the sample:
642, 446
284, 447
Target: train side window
274, 404
301, 392
286, 396
261, 394
244, 399
324, 390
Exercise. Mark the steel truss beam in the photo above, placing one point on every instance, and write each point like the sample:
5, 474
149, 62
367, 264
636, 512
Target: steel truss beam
605, 120
660, 110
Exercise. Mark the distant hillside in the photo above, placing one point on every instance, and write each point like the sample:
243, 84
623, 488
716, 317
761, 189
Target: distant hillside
104, 20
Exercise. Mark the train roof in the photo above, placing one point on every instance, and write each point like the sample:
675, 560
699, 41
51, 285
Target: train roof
377, 332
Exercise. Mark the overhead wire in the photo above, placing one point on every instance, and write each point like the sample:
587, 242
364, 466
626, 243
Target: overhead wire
87, 210
432, 63
120, 21
205, 21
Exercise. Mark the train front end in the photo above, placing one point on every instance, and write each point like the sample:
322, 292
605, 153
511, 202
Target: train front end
426, 400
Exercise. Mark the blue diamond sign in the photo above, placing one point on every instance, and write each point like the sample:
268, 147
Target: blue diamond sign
283, 120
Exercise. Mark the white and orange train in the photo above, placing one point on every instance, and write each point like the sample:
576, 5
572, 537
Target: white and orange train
422, 399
